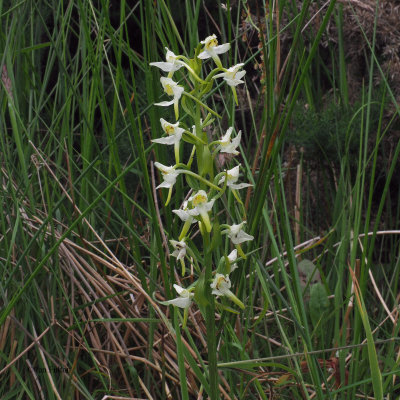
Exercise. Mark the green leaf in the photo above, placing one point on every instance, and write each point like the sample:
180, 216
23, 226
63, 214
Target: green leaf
308, 273
192, 182
201, 290
216, 236
319, 302
188, 106
207, 162
308, 276
188, 139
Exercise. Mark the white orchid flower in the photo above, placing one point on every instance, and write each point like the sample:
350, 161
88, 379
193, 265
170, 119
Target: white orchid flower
201, 207
233, 176
172, 130
174, 136
226, 145
183, 301
233, 76
172, 89
186, 217
171, 65
212, 49
169, 175
221, 287
179, 252
184, 214
237, 234
180, 249
232, 256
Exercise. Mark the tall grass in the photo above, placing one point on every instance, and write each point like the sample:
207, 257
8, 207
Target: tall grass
84, 234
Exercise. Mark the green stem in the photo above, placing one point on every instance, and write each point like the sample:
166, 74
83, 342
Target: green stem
200, 178
181, 358
199, 133
19, 145
202, 104
195, 138
194, 260
210, 324
195, 76
223, 189
189, 163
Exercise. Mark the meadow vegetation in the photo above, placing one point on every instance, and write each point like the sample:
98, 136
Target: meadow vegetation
85, 253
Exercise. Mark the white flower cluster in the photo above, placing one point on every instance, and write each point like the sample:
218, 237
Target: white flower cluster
200, 203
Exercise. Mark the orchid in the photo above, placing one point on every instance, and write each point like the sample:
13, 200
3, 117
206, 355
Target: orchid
184, 214
232, 256
169, 175
174, 136
174, 63
186, 217
172, 89
179, 252
201, 207
207, 186
226, 145
180, 249
237, 234
232, 75
221, 287
171, 65
212, 49
172, 130
233, 176
183, 301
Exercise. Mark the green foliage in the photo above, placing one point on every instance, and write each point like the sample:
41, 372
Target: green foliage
84, 263
328, 133
319, 304
322, 134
